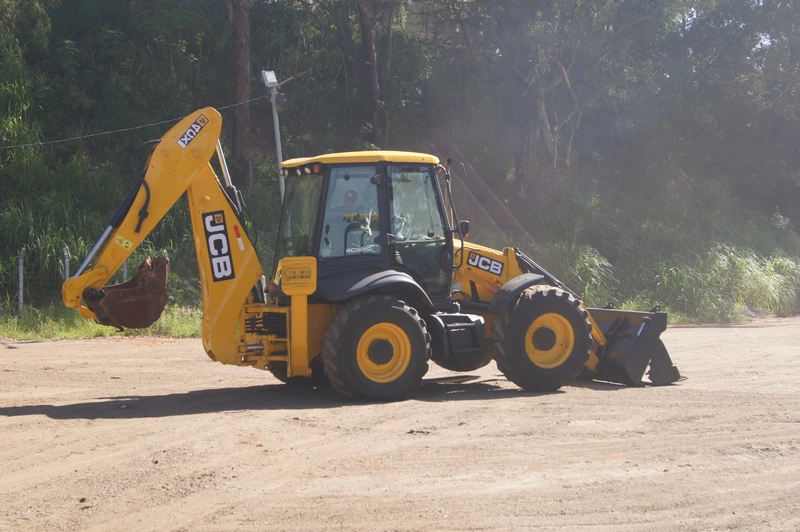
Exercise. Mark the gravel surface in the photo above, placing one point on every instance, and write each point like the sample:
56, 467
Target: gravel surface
148, 434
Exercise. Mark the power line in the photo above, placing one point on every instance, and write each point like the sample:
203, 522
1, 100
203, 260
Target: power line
122, 129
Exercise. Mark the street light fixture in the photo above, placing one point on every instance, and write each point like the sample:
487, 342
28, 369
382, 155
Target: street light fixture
278, 101
269, 78
271, 82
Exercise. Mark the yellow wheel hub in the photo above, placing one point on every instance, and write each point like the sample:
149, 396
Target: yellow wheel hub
549, 340
383, 353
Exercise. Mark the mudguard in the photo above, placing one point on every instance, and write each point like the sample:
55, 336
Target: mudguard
510, 291
346, 286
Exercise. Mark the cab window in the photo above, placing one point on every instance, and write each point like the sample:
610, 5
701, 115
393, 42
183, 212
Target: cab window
415, 212
351, 214
299, 215
419, 227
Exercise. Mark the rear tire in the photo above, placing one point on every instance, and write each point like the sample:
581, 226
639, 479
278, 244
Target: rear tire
542, 341
376, 347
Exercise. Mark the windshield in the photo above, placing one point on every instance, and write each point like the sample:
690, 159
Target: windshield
299, 216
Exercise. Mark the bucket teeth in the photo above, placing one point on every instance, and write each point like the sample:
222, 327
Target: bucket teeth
662, 370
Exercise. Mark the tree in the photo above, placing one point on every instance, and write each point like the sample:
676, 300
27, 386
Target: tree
371, 80
239, 17
734, 109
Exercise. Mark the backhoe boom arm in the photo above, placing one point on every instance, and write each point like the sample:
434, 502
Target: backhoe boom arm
227, 263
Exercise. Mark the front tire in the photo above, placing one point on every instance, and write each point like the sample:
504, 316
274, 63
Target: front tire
376, 347
542, 342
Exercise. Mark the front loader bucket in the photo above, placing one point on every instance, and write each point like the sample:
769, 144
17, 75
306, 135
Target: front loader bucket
136, 303
633, 343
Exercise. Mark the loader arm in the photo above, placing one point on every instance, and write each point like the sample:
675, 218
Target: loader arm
227, 262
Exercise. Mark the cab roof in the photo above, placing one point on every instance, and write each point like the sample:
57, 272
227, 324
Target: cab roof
376, 156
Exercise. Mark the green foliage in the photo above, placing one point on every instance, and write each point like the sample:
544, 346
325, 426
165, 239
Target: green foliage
176, 321
666, 252
726, 284
580, 267
263, 211
587, 271
59, 322
649, 147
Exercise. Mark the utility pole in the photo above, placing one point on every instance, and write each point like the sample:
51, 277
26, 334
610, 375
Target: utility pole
268, 76
272, 83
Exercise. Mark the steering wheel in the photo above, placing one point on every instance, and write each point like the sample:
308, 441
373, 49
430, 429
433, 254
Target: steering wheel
406, 229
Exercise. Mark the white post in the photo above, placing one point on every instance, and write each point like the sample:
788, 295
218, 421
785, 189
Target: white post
124, 271
274, 93
66, 263
21, 275
271, 82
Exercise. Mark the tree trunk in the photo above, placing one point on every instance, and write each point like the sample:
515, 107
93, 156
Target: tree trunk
576, 107
369, 21
242, 168
365, 60
387, 72
455, 9
521, 156
544, 122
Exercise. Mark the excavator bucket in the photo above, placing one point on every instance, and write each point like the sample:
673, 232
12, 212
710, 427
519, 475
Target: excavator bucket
633, 344
136, 303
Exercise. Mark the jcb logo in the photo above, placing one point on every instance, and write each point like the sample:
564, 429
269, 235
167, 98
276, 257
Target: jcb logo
192, 132
485, 263
218, 248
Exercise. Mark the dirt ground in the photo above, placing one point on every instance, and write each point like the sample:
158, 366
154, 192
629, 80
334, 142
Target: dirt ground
148, 434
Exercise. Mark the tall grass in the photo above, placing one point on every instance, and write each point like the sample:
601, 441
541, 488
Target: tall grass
580, 267
59, 322
694, 251
727, 283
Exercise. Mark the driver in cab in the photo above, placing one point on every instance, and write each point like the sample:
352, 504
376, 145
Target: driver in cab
353, 211
351, 205
351, 228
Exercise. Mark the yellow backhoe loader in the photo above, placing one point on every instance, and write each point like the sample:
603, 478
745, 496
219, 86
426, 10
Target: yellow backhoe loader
373, 278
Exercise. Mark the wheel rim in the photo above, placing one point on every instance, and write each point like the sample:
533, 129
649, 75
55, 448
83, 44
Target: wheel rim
549, 340
383, 353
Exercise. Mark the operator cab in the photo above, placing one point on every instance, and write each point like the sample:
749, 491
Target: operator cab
360, 213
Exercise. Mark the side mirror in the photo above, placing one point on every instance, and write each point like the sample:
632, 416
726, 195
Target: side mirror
463, 226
